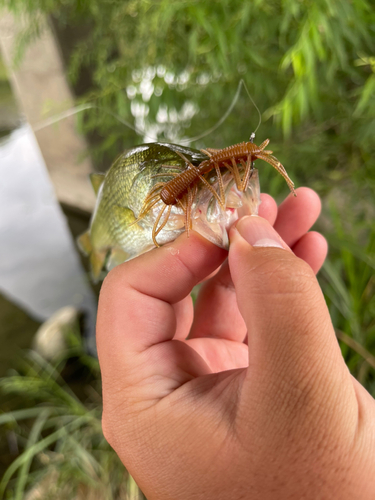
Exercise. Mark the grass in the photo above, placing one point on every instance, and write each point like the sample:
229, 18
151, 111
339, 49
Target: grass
54, 422
348, 282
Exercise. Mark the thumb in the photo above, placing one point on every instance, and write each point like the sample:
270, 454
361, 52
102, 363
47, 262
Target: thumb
291, 339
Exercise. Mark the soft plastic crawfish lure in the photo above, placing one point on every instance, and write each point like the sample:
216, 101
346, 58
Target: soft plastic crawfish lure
182, 188
159, 186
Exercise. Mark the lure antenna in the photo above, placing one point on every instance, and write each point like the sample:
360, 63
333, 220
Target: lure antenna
83, 107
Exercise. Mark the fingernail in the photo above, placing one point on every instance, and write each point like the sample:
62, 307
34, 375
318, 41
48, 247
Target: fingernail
259, 233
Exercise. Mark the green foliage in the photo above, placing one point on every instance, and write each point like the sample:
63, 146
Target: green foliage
62, 451
348, 281
171, 70
307, 64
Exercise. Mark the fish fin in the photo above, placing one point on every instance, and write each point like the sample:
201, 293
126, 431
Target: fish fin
96, 181
118, 256
97, 260
125, 216
84, 243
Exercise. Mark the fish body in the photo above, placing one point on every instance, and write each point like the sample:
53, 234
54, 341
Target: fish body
153, 192
114, 234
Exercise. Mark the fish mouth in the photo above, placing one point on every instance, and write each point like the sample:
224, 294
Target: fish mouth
208, 217
212, 221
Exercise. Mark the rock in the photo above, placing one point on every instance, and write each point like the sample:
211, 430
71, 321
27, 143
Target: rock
50, 338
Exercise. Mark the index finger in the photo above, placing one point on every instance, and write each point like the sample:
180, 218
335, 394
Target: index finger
296, 215
136, 301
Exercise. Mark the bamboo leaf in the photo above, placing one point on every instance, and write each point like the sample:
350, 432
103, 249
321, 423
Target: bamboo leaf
37, 448
24, 469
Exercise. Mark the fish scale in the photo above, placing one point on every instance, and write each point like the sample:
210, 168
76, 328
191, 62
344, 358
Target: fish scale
141, 204
121, 192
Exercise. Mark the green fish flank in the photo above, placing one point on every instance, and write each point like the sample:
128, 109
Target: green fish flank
114, 236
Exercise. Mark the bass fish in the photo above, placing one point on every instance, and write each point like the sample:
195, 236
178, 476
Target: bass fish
153, 192
115, 235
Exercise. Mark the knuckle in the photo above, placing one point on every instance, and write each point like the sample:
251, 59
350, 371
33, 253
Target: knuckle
113, 278
287, 274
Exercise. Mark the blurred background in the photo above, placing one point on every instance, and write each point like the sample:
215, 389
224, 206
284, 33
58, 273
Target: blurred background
82, 80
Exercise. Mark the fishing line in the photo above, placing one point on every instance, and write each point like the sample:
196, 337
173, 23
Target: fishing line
256, 107
78, 109
83, 107
60, 116
222, 119
227, 113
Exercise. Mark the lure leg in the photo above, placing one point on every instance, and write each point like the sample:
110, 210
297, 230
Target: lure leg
189, 204
175, 174
147, 207
151, 199
277, 165
249, 168
236, 174
264, 144
155, 229
221, 187
210, 188
162, 225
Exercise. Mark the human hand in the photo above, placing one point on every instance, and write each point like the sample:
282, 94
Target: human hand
210, 417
